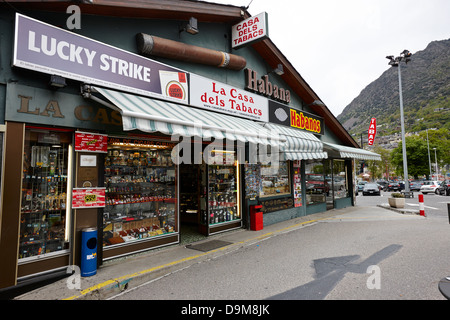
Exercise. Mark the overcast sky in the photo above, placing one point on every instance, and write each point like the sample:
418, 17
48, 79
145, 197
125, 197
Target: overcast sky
339, 46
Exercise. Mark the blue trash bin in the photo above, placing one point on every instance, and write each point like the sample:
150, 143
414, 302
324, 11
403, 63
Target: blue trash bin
88, 252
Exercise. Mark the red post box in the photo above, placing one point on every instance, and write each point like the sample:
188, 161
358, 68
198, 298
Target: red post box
256, 218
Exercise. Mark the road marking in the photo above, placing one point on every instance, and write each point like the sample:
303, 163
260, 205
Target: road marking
416, 205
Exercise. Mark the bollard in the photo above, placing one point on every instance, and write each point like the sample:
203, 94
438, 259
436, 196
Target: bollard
448, 211
421, 207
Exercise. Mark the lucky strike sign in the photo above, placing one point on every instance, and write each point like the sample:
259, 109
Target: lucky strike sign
213, 95
372, 131
42, 47
250, 30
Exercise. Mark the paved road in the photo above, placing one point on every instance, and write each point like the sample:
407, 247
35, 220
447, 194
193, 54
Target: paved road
376, 255
435, 205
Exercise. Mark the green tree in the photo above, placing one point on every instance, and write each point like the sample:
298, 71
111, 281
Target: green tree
417, 157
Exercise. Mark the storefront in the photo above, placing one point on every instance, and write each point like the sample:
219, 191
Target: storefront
141, 149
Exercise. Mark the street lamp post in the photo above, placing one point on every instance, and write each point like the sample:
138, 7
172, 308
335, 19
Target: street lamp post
405, 56
435, 160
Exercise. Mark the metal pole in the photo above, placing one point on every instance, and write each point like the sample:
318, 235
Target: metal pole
405, 164
435, 161
429, 158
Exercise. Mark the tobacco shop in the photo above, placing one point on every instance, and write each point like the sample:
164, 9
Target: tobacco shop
153, 140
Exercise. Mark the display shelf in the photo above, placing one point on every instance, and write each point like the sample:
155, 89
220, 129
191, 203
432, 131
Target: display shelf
140, 195
44, 189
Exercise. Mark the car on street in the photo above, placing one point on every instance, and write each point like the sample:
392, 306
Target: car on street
393, 186
361, 185
415, 185
383, 184
371, 189
444, 188
429, 186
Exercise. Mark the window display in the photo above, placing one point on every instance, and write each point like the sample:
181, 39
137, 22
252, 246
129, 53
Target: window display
140, 181
297, 183
44, 189
275, 179
223, 190
316, 189
340, 186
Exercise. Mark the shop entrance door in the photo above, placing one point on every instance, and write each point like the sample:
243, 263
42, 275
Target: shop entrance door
191, 202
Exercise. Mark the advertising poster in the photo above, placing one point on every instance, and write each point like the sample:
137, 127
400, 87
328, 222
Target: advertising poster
91, 142
88, 198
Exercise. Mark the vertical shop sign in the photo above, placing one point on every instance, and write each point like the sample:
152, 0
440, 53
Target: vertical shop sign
91, 142
372, 131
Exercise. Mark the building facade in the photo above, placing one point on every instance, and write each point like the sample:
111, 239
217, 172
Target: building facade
142, 122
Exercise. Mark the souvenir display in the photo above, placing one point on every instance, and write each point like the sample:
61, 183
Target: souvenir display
222, 197
44, 190
253, 185
297, 184
140, 194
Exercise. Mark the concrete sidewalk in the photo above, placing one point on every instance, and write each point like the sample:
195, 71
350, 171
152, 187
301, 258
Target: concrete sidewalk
124, 273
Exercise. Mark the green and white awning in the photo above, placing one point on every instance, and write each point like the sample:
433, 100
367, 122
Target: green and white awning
349, 152
300, 145
151, 115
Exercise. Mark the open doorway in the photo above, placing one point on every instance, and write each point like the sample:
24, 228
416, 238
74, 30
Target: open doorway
191, 194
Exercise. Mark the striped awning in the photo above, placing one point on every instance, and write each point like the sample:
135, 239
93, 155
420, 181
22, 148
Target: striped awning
349, 152
151, 115
300, 145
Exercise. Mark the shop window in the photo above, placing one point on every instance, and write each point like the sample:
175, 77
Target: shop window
316, 188
44, 193
340, 185
140, 181
275, 179
223, 188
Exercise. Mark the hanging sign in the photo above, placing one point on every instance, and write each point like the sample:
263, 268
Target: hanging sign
91, 142
250, 30
372, 131
88, 198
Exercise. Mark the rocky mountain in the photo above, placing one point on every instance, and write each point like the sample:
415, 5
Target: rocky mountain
426, 96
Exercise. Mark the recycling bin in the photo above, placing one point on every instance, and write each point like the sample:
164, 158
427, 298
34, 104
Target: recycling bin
88, 252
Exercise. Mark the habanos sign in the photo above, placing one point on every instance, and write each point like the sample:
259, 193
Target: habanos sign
215, 96
250, 30
372, 131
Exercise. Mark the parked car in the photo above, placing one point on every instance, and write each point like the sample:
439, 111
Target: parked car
383, 184
429, 186
361, 185
415, 186
393, 186
444, 188
371, 189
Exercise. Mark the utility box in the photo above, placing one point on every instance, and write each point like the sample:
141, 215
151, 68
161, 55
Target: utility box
256, 218
88, 252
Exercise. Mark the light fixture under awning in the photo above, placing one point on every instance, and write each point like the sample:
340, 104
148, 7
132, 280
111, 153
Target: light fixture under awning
151, 115
349, 152
300, 145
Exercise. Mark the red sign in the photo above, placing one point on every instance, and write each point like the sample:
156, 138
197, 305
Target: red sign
91, 142
88, 198
372, 131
